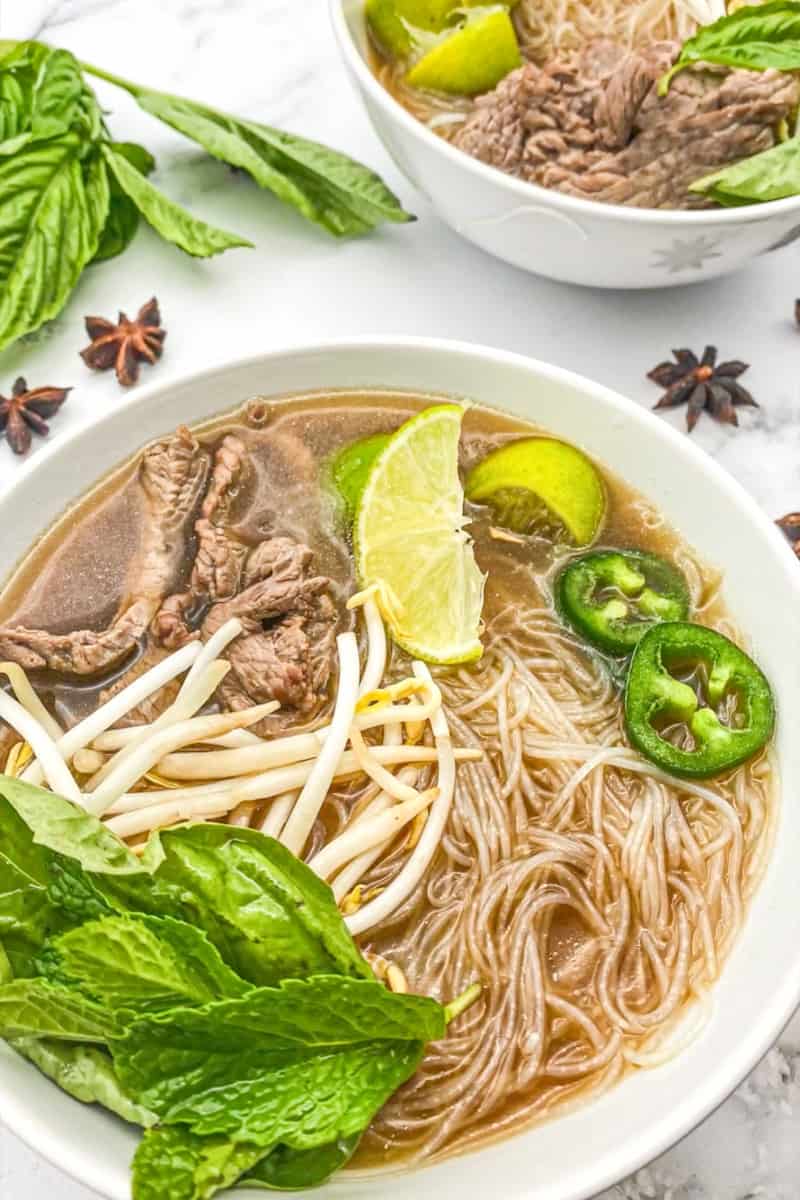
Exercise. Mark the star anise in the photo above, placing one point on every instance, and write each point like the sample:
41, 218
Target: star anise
124, 345
702, 383
790, 524
24, 413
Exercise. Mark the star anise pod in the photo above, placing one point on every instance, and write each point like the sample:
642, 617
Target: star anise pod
124, 345
790, 524
25, 413
702, 383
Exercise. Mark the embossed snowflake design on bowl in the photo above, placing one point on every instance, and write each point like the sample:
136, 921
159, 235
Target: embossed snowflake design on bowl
686, 254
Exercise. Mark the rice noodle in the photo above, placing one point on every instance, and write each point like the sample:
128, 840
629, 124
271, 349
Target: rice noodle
592, 894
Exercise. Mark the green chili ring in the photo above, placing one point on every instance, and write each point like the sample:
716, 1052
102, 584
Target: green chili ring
640, 589
653, 697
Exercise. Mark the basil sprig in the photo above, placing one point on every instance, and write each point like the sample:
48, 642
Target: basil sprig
756, 38
70, 195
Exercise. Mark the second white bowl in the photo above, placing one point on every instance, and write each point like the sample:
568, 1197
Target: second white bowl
562, 237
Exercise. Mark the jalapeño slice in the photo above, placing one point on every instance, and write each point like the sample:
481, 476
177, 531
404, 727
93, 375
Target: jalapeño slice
701, 728
612, 597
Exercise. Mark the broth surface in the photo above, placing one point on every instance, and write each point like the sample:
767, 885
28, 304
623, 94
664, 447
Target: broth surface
480, 911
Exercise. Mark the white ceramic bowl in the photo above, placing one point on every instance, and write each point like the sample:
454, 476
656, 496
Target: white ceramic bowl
576, 1156
563, 237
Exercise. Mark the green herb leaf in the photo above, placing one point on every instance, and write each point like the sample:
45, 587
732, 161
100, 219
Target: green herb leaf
175, 1163
327, 187
36, 1008
270, 917
66, 828
172, 222
143, 964
6, 970
757, 37
772, 175
86, 1073
303, 1064
51, 218
287, 1170
123, 215
15, 112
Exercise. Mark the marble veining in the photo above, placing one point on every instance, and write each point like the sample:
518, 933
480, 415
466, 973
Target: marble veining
275, 60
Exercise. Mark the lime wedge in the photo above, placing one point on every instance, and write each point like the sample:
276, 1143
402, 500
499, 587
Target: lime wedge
393, 22
351, 466
387, 29
472, 60
536, 472
409, 539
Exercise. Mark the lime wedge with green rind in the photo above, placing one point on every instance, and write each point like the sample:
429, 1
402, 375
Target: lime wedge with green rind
549, 473
392, 22
409, 540
350, 469
473, 59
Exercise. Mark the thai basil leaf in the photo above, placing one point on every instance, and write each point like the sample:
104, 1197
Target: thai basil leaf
325, 186
142, 964
36, 1008
772, 175
15, 113
123, 215
6, 970
51, 216
57, 96
63, 827
172, 222
303, 1064
174, 1163
757, 37
86, 1073
287, 1170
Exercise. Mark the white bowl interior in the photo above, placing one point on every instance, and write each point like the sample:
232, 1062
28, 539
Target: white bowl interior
577, 1155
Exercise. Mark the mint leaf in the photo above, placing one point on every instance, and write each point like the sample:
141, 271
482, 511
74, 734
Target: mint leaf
756, 37
143, 963
172, 222
287, 1170
123, 215
51, 218
175, 1163
36, 1008
84, 1072
772, 175
302, 1064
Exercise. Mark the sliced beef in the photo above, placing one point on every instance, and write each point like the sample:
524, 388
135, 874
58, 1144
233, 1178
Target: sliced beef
219, 560
289, 620
172, 478
592, 125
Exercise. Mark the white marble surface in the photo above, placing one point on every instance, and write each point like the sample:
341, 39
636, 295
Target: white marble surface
275, 60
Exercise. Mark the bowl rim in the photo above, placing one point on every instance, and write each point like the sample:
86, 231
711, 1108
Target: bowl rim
76, 1159
520, 189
